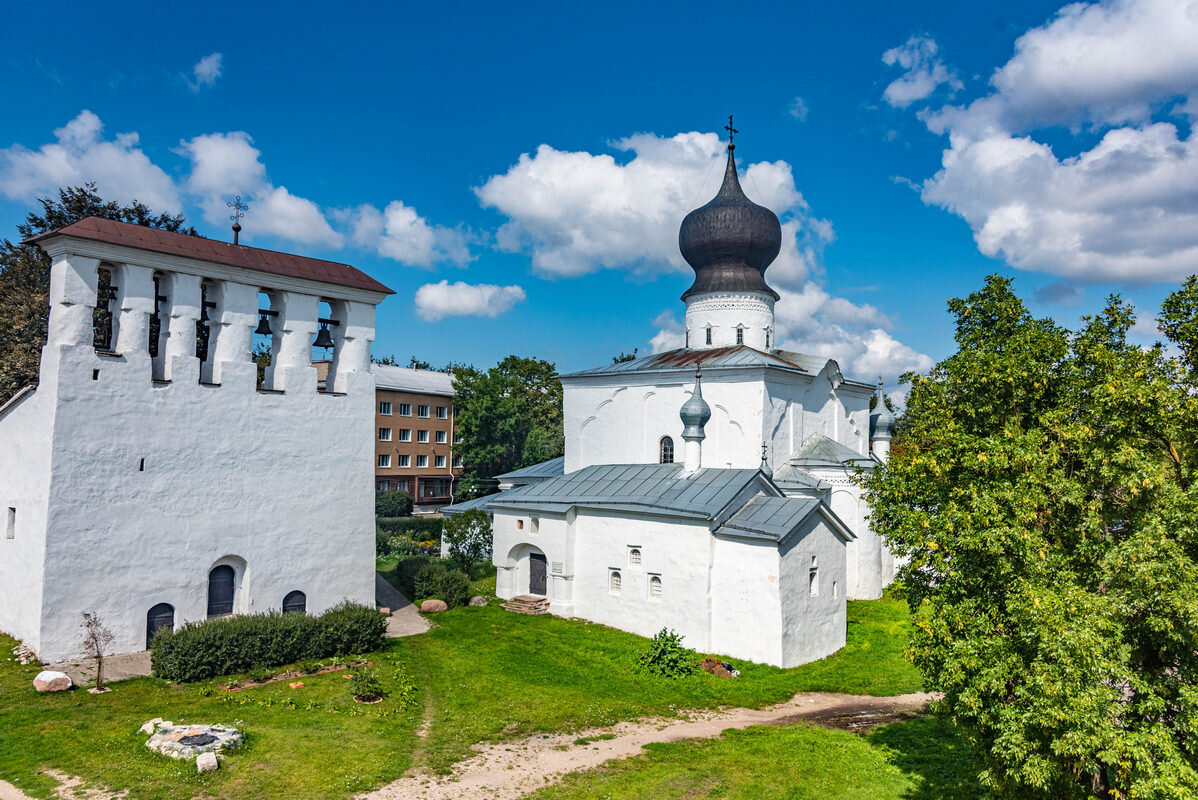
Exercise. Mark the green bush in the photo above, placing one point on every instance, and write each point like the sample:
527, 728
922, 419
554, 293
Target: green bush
418, 528
405, 574
455, 588
428, 581
666, 656
228, 645
365, 684
392, 504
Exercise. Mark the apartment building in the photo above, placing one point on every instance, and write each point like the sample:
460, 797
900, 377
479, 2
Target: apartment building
415, 443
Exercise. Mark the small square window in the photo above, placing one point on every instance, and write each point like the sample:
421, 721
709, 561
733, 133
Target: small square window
442, 437
442, 412
384, 461
405, 409
457, 438
422, 411
457, 462
634, 556
439, 462
421, 462
422, 437
405, 461
384, 434
519, 524
385, 409
405, 434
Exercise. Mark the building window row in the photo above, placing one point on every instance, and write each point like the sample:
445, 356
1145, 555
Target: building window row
615, 584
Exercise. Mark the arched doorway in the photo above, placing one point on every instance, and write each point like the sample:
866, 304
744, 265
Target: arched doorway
295, 601
220, 591
159, 617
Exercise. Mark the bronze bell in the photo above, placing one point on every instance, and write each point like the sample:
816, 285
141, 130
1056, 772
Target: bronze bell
323, 339
263, 326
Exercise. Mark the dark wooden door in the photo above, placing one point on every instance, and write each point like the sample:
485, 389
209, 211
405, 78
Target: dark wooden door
160, 616
220, 591
537, 573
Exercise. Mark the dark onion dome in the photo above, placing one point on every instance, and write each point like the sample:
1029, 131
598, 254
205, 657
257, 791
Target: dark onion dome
730, 241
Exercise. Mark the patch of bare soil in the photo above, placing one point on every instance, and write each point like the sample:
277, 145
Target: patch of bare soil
509, 770
69, 788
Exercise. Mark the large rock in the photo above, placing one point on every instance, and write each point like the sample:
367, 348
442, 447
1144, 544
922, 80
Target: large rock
50, 681
206, 762
429, 606
477, 601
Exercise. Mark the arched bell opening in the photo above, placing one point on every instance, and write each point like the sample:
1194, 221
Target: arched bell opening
265, 341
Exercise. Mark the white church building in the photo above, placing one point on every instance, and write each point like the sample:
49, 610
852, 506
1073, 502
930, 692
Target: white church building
722, 505
149, 476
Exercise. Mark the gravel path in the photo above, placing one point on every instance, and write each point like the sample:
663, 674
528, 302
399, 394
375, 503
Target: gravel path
510, 770
405, 620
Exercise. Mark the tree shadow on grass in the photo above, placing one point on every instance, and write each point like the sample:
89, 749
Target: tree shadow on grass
933, 753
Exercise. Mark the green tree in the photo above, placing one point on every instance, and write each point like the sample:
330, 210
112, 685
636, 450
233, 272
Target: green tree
1041, 491
393, 504
468, 538
509, 416
622, 357
25, 275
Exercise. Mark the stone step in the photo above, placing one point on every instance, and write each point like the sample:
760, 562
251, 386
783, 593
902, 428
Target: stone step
528, 604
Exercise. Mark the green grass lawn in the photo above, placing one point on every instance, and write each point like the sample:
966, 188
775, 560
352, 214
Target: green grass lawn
483, 674
916, 760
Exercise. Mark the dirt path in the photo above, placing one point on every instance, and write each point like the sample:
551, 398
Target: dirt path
510, 770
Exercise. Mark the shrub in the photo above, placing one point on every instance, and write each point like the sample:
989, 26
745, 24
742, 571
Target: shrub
392, 504
427, 582
365, 684
666, 656
228, 645
455, 588
417, 528
469, 537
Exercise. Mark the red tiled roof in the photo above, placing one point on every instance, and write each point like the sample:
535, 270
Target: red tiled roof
178, 244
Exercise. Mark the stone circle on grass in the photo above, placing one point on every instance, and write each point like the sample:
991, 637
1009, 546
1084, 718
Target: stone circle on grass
189, 741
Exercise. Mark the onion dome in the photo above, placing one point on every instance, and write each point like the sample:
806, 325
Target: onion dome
881, 421
695, 412
730, 241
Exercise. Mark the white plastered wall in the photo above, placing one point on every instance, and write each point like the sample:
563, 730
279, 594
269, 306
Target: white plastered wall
813, 626
724, 313
150, 485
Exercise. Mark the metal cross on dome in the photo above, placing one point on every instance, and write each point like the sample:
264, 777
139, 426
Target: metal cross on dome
731, 131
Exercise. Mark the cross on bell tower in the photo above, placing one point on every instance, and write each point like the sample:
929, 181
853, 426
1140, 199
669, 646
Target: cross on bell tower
731, 132
239, 209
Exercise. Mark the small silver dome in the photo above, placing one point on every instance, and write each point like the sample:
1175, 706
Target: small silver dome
695, 412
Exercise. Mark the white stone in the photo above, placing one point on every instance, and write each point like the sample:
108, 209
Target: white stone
206, 762
151, 725
51, 681
127, 493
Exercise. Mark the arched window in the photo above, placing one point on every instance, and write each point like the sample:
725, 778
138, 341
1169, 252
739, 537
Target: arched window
220, 591
159, 617
295, 601
614, 581
665, 452
655, 588
634, 557
709, 334
740, 334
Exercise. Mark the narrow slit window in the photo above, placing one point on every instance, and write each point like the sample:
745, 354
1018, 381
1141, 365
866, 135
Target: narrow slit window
740, 335
709, 334
813, 579
10, 527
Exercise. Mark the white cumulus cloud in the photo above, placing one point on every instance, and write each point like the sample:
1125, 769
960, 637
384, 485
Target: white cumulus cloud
80, 154
436, 301
228, 164
923, 72
578, 212
1123, 208
398, 232
205, 72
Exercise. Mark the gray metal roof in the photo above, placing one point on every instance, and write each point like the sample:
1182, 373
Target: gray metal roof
792, 476
467, 505
771, 517
644, 487
419, 381
736, 357
822, 450
552, 468
739, 356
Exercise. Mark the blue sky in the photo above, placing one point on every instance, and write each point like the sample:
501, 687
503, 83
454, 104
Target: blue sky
533, 161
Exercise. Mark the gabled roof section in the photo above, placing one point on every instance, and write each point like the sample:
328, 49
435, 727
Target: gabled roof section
126, 234
792, 477
417, 381
771, 517
737, 356
647, 488
553, 468
820, 450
